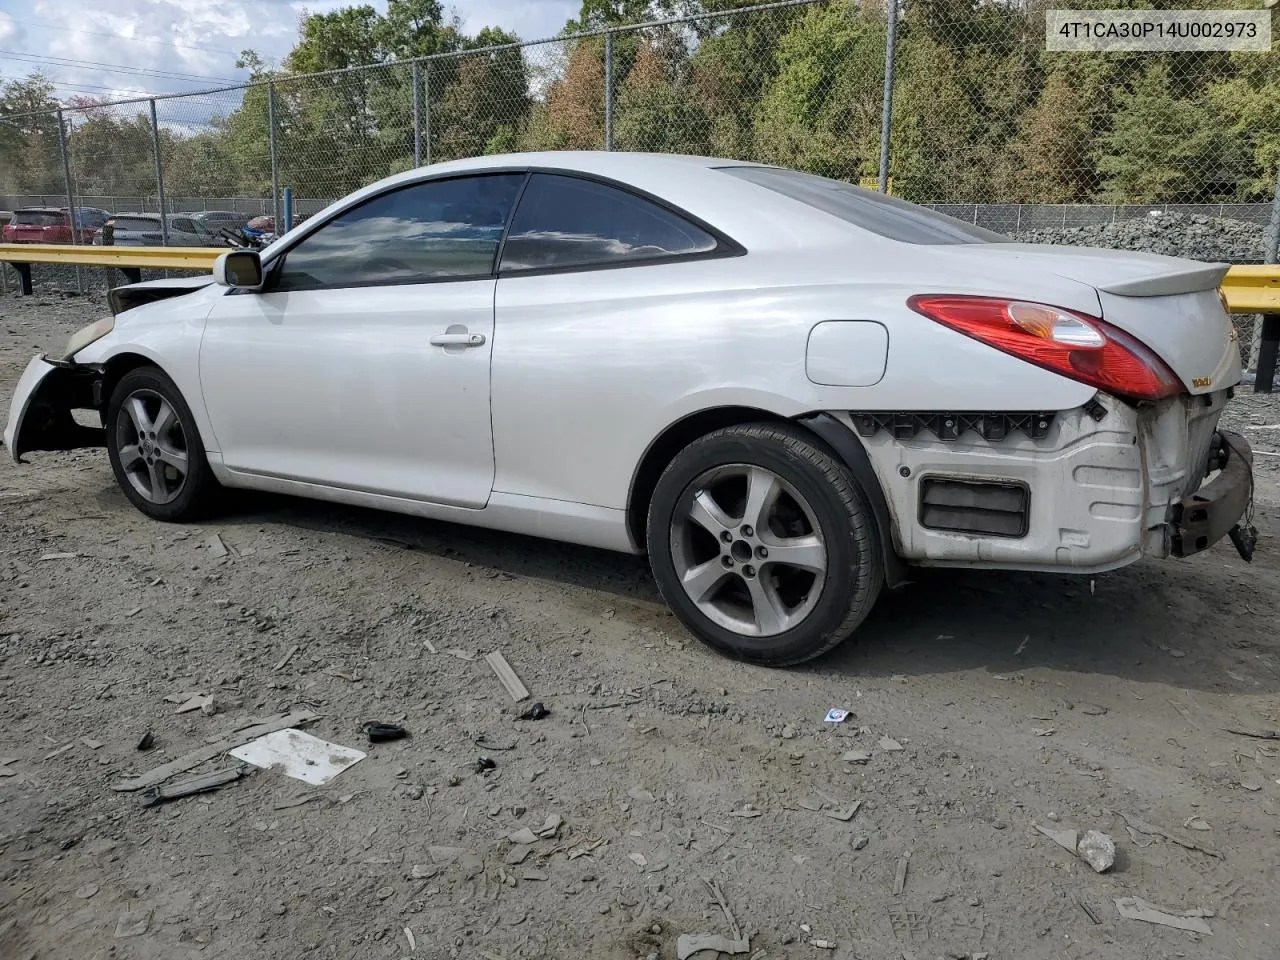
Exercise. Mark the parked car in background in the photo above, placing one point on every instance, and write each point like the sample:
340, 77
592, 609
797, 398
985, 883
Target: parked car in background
53, 225
144, 230
215, 220
259, 227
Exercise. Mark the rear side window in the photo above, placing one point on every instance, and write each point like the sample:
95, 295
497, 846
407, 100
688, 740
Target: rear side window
436, 230
565, 222
137, 223
39, 218
887, 216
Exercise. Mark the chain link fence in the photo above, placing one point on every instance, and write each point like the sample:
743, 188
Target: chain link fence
976, 119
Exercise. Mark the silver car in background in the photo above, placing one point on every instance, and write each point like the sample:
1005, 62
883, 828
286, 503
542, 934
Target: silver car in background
144, 230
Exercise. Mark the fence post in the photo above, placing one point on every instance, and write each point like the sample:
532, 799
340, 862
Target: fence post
71, 199
155, 146
1269, 341
271, 142
426, 113
608, 90
886, 116
417, 114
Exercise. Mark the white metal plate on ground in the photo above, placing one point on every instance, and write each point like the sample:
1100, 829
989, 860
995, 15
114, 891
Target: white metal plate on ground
299, 755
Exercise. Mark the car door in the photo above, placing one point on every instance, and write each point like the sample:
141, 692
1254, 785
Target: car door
364, 362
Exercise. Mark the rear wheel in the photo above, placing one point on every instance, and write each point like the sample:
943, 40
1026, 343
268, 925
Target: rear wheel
763, 545
155, 451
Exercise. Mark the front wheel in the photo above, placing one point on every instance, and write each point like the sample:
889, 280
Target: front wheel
155, 450
762, 543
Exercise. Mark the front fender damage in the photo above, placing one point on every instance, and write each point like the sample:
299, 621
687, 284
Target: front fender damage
41, 418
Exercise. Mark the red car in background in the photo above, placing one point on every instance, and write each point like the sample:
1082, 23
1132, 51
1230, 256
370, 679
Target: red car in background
53, 225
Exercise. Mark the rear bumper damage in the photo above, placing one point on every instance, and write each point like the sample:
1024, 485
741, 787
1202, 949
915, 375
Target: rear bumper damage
40, 416
1083, 490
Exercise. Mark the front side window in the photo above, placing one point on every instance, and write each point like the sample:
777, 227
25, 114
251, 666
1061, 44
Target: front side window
570, 222
441, 229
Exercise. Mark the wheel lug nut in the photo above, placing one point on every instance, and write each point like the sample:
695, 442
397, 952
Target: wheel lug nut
746, 530
761, 552
748, 571
727, 561
726, 536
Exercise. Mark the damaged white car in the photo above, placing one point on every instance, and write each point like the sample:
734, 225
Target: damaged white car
786, 390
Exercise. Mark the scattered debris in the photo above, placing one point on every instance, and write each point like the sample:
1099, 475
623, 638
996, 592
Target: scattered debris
640, 860
1088, 911
413, 944
506, 676
856, 756
860, 843
586, 848
461, 654
1067, 839
836, 715
484, 765
551, 826
295, 801
1044, 731
747, 811
890, 745
280, 665
431, 647
298, 755
217, 549
1022, 646
517, 855
1093, 709
147, 742
1098, 850
4, 767
1246, 784
847, 813
1135, 908
1195, 823
788, 732
87, 891
59, 556
60, 751
900, 878
523, 836
1142, 826
1255, 734
823, 944
687, 944
195, 702
535, 712
204, 783
423, 871
640, 793
132, 924
379, 732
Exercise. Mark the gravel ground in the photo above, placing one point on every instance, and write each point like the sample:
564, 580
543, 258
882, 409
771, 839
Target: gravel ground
1016, 700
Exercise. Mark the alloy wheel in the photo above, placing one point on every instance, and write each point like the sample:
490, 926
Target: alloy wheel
152, 446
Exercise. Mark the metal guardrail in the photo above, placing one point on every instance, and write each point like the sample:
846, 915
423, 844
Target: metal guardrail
1253, 288
130, 260
1249, 288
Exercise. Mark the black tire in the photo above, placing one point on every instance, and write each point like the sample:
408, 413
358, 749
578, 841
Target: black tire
854, 566
191, 499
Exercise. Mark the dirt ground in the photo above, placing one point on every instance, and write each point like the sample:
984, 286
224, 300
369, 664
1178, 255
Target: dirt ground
1015, 700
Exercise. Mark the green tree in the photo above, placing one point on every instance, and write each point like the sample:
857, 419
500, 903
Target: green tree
29, 151
655, 110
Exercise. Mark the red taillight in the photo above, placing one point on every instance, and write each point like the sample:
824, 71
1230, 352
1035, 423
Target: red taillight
1081, 347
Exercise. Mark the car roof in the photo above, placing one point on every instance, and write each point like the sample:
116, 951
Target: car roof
752, 215
40, 210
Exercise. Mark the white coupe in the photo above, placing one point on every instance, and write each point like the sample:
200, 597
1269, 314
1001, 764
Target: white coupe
788, 391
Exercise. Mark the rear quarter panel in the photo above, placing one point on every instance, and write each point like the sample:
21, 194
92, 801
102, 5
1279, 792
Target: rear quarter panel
589, 368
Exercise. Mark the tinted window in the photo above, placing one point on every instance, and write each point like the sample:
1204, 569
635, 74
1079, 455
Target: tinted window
39, 218
569, 222
876, 212
137, 223
427, 231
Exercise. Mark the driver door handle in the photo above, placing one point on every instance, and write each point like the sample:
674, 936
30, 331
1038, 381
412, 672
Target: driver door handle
458, 340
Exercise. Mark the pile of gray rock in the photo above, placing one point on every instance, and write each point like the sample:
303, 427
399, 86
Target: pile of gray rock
1216, 239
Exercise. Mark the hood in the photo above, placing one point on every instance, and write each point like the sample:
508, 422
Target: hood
133, 295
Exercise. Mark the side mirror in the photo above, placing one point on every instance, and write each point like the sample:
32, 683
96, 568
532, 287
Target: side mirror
239, 268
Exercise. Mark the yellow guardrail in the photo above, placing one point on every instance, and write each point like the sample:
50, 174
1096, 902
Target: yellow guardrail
161, 258
1253, 288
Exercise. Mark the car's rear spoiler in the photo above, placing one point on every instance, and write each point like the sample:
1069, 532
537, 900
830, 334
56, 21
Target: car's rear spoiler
1204, 276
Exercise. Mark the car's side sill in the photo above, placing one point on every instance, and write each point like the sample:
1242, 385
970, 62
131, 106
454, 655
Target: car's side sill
580, 523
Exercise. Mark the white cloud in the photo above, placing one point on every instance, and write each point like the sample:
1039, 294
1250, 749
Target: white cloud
196, 39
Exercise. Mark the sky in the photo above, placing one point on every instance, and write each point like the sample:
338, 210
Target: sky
115, 49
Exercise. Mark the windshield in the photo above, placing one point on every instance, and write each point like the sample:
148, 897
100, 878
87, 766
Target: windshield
883, 215
39, 218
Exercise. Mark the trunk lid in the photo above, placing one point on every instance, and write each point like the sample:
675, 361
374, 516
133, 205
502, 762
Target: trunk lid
1170, 304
